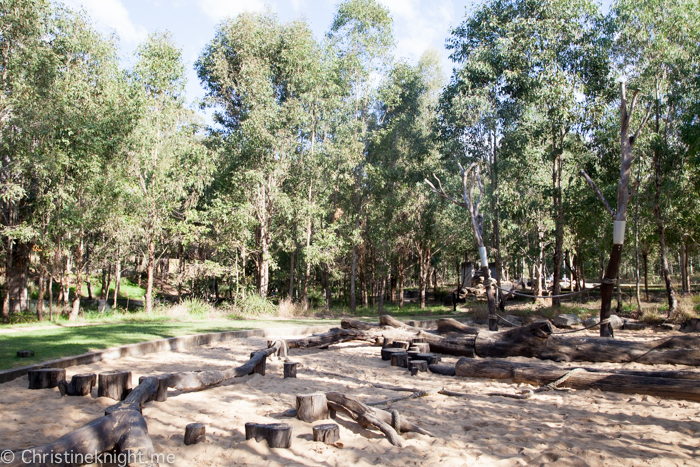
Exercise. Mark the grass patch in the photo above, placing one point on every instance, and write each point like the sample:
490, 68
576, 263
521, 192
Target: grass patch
56, 341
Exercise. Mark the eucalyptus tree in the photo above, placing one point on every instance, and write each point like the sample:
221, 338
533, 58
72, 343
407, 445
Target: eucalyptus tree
523, 57
656, 50
257, 73
361, 33
166, 159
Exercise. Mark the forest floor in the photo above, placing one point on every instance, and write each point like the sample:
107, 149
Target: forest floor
573, 428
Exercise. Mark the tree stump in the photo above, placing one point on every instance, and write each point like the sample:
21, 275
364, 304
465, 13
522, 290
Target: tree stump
328, 433
388, 342
417, 365
161, 394
45, 377
431, 358
114, 384
386, 352
260, 367
25, 353
194, 433
399, 359
80, 385
421, 347
290, 369
412, 354
401, 345
277, 435
418, 340
312, 407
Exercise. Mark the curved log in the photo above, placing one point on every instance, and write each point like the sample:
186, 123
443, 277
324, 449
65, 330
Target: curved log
334, 336
445, 325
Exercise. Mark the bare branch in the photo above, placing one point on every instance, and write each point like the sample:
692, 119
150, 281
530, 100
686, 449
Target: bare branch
597, 192
644, 121
441, 192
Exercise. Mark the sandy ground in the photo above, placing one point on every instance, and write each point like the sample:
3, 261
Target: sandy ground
576, 428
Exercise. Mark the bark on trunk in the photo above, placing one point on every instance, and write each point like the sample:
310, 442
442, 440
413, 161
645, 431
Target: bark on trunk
149, 274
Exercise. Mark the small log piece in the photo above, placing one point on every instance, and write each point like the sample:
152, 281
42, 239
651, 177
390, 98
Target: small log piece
260, 366
114, 384
80, 385
417, 365
431, 358
401, 345
447, 370
388, 342
328, 433
290, 369
312, 407
277, 435
386, 353
43, 378
418, 340
399, 359
412, 354
194, 433
161, 394
25, 353
421, 347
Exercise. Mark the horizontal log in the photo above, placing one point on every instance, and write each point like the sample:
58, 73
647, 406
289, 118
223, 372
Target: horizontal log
537, 341
542, 374
334, 336
445, 325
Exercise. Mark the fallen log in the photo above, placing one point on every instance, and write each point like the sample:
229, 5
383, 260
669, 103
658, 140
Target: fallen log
193, 380
122, 428
334, 336
541, 374
536, 340
368, 416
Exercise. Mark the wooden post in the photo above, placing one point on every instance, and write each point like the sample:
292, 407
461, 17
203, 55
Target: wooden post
194, 433
312, 407
45, 377
114, 384
421, 347
328, 433
290, 369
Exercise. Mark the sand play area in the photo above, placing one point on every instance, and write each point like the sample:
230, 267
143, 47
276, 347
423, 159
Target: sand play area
574, 428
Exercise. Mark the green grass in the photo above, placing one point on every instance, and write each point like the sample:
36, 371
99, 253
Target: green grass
56, 341
127, 289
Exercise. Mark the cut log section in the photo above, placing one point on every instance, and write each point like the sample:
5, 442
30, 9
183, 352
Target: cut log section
541, 374
389, 351
277, 435
312, 407
114, 384
401, 345
328, 433
25, 353
431, 358
399, 359
259, 366
417, 365
44, 378
290, 369
418, 340
368, 416
80, 385
195, 433
421, 347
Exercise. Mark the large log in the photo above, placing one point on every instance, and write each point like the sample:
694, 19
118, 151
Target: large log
368, 416
446, 325
334, 336
123, 428
193, 380
541, 374
537, 341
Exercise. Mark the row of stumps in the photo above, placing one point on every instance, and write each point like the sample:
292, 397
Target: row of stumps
414, 355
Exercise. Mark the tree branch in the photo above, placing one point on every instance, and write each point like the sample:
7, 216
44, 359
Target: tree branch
597, 192
442, 192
